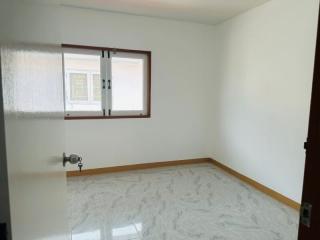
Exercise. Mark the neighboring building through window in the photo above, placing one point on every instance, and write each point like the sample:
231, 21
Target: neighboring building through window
78, 86
106, 83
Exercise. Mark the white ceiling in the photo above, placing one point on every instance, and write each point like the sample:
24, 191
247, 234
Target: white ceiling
201, 11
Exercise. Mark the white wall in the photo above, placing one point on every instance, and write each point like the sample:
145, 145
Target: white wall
24, 22
182, 56
260, 113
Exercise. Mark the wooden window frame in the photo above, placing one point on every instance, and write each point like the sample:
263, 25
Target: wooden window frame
148, 97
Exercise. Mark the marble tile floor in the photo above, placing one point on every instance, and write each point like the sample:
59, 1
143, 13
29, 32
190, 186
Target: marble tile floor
188, 202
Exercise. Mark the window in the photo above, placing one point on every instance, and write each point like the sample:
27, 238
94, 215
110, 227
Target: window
106, 83
82, 83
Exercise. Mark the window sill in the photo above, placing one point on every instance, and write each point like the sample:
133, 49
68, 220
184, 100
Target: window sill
104, 117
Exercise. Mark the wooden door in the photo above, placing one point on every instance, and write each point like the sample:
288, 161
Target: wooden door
309, 228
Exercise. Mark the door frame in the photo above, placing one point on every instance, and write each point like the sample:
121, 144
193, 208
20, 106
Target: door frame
5, 224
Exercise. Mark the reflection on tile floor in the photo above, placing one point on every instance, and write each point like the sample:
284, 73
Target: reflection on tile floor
175, 203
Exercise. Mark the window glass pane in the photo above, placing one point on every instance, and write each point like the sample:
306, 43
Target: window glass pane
127, 84
96, 89
81, 85
78, 87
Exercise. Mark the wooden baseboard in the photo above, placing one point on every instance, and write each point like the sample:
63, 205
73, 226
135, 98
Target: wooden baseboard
251, 182
281, 198
141, 166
